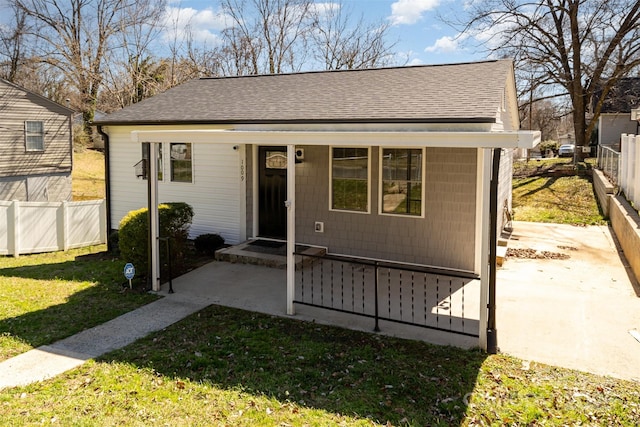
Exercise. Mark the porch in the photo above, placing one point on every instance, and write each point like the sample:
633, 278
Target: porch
341, 292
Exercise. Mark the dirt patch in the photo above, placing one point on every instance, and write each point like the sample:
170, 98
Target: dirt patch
534, 254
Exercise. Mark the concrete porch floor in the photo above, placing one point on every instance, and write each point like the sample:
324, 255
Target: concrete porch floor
264, 290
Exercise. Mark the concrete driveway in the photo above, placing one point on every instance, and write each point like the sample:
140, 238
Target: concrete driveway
573, 306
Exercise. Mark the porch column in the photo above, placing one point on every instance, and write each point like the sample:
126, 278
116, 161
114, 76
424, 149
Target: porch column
291, 227
154, 222
483, 237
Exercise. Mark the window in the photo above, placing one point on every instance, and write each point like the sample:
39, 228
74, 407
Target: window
160, 165
402, 181
181, 170
34, 135
350, 179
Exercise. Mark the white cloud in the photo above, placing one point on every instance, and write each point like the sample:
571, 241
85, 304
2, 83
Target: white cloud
446, 44
201, 25
409, 12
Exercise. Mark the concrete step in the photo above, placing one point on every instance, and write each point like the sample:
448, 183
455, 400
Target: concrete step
244, 253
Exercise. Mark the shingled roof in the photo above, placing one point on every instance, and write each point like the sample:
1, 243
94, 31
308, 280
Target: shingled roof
623, 97
461, 93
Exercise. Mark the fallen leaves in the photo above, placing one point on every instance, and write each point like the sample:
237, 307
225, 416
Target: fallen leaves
527, 253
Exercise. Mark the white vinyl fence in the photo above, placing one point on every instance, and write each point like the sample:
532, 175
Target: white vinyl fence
32, 227
630, 168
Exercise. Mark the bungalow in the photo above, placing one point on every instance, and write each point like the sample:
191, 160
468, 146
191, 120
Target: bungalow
387, 165
36, 149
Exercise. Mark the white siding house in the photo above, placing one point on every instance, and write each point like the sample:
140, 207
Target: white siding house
390, 165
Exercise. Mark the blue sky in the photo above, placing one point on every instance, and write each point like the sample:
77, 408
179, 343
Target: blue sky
423, 37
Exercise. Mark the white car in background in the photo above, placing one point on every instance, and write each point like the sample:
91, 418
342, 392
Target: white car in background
566, 150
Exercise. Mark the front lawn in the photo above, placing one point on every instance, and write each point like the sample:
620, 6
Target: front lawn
47, 297
224, 366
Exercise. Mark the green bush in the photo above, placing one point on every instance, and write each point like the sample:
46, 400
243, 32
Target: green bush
175, 220
208, 243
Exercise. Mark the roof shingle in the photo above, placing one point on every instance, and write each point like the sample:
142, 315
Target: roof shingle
469, 92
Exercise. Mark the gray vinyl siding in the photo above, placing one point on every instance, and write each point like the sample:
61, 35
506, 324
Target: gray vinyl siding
611, 126
50, 188
17, 106
445, 237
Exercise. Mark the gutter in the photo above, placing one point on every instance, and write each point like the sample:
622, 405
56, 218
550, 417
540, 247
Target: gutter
107, 189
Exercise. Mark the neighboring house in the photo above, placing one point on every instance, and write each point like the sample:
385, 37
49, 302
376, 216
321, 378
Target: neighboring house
387, 164
615, 118
35, 146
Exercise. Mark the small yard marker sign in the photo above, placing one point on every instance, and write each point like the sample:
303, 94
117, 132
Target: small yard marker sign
129, 272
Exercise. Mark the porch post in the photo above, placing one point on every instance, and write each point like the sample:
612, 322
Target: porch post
483, 233
154, 216
291, 227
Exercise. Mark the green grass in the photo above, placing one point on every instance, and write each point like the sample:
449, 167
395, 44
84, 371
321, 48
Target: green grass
224, 366
522, 168
47, 297
88, 175
564, 200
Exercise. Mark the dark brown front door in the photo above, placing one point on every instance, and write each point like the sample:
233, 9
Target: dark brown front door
272, 212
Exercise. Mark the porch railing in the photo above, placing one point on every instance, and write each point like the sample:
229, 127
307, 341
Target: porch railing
436, 299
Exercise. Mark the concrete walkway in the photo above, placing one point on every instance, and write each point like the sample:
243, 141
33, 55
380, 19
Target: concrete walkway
574, 313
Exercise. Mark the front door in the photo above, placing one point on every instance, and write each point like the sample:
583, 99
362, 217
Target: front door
272, 213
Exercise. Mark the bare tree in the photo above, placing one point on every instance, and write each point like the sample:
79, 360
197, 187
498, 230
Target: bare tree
133, 72
12, 43
568, 48
267, 36
338, 42
76, 37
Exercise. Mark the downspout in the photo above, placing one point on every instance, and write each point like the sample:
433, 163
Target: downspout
492, 338
107, 188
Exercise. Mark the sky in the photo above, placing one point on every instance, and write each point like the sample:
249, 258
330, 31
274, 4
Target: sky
423, 36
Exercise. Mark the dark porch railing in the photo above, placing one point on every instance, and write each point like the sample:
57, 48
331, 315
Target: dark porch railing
431, 298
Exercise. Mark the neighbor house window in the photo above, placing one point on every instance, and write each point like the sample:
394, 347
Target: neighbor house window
181, 167
402, 181
34, 135
350, 179
160, 164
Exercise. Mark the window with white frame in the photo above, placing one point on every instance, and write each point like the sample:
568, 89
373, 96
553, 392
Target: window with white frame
181, 162
34, 135
350, 179
160, 163
401, 179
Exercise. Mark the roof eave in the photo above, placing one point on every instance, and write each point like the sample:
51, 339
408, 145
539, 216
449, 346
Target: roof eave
446, 120
459, 139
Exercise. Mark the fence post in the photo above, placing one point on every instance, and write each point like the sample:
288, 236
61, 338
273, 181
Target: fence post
64, 220
631, 171
624, 155
13, 216
635, 164
104, 233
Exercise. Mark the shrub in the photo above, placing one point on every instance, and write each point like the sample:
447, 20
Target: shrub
208, 243
175, 220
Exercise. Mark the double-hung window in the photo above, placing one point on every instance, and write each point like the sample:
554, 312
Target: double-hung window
350, 179
402, 187
181, 164
34, 135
